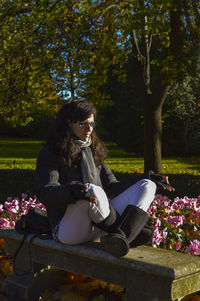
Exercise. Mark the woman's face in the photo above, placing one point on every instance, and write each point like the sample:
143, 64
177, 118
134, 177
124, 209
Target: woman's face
83, 129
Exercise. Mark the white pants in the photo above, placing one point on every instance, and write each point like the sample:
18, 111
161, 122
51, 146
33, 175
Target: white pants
76, 225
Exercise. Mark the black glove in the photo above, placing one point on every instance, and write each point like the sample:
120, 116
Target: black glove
160, 181
78, 191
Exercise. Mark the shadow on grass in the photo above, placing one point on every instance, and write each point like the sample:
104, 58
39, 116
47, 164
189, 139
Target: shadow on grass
17, 148
184, 184
14, 182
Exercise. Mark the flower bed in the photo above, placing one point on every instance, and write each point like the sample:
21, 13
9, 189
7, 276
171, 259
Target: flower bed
175, 224
12, 210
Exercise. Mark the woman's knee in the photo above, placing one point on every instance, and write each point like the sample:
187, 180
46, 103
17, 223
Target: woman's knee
76, 225
98, 213
148, 185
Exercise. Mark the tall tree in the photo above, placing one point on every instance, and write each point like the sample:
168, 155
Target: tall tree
50, 47
43, 46
27, 84
158, 34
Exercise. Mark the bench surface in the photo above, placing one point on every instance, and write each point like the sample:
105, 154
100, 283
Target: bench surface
159, 273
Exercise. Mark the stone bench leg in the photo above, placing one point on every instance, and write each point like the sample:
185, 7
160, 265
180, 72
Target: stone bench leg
17, 287
29, 287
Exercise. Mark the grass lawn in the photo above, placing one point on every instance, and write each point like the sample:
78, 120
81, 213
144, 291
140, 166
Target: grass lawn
18, 158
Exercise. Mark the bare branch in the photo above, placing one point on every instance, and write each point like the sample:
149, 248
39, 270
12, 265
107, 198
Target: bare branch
135, 42
117, 5
109, 7
150, 41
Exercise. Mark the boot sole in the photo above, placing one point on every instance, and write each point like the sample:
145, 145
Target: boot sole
115, 244
143, 238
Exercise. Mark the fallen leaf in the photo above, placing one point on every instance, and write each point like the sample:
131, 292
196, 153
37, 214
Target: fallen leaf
5, 267
2, 243
193, 297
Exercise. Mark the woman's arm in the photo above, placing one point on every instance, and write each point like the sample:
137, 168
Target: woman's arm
51, 192
112, 186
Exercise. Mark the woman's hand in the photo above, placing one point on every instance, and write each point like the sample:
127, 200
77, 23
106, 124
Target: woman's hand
79, 191
161, 181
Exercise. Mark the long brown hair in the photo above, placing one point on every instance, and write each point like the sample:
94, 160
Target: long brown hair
61, 139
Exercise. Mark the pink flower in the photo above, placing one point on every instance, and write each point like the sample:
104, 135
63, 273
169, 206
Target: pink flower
165, 204
32, 201
183, 203
157, 238
194, 248
24, 212
164, 233
4, 223
157, 221
12, 207
24, 196
175, 221
25, 205
178, 245
151, 209
41, 206
11, 224
1, 208
174, 206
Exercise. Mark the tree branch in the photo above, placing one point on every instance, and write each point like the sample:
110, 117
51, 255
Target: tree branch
134, 39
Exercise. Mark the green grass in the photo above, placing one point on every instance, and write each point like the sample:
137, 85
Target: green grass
121, 161
169, 165
22, 154
19, 153
18, 159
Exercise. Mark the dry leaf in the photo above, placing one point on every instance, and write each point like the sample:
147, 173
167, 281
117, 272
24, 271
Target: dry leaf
116, 288
193, 297
192, 235
2, 243
5, 267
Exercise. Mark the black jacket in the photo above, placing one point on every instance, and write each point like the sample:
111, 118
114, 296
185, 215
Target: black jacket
54, 181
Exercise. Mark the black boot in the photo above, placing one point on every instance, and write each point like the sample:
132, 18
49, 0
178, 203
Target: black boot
143, 238
109, 224
131, 223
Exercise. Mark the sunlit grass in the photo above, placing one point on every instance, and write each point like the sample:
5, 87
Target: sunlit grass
19, 153
169, 165
22, 154
120, 161
18, 161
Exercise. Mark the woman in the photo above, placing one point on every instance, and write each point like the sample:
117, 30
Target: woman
82, 196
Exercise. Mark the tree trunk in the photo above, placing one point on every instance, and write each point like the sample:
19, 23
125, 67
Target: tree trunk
152, 109
153, 92
152, 136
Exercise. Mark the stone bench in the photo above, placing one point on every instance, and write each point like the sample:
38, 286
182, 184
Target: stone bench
148, 274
